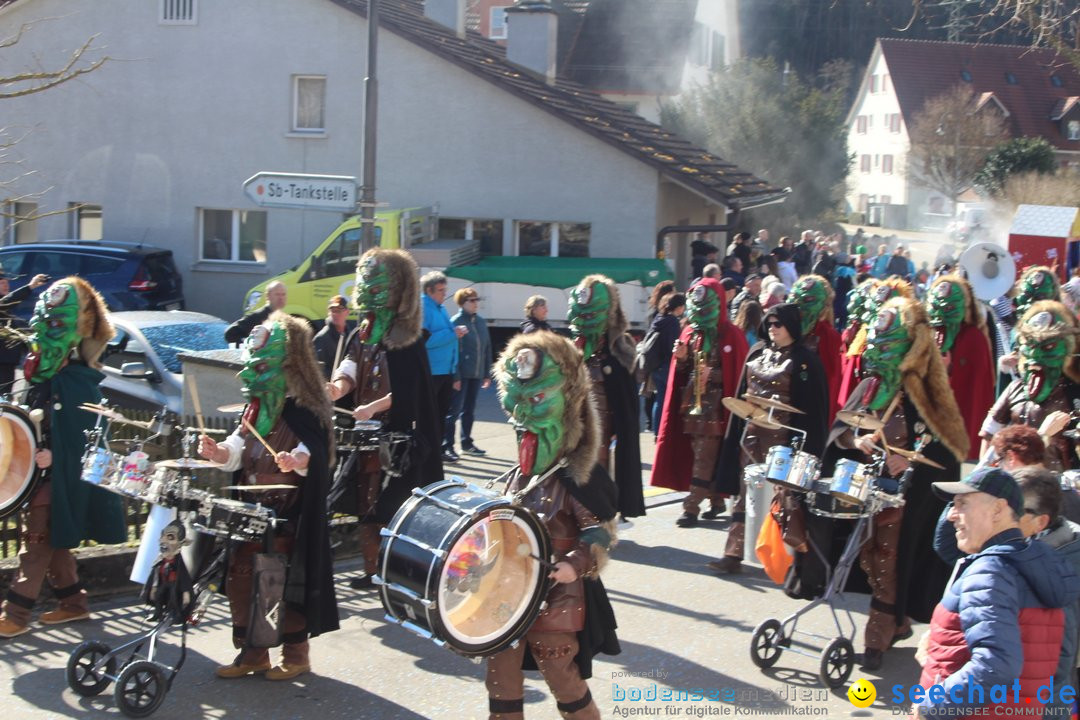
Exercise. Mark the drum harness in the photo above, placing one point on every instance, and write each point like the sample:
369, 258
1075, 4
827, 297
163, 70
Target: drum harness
536, 481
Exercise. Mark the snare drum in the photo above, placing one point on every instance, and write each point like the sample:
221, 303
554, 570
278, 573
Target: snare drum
795, 470
458, 567
851, 482
365, 435
233, 519
99, 465
19, 472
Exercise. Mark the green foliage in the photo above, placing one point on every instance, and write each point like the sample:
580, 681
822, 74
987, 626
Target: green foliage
1026, 154
778, 127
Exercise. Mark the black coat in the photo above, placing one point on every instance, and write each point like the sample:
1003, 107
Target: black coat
326, 346
239, 330
533, 325
622, 402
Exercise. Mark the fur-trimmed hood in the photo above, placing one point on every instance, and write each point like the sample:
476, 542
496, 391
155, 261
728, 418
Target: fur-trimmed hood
973, 314
303, 378
827, 313
94, 327
619, 343
404, 295
1031, 270
898, 287
926, 381
1069, 331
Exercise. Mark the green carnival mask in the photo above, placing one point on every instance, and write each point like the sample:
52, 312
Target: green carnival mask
372, 299
532, 395
886, 346
946, 313
55, 323
263, 376
1035, 286
1043, 353
588, 316
875, 299
809, 295
856, 304
703, 314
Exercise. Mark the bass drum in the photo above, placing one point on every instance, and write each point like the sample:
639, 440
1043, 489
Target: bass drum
19, 474
459, 566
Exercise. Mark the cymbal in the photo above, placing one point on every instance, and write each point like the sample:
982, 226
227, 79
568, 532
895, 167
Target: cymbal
113, 415
743, 409
260, 488
126, 445
203, 431
187, 464
860, 420
233, 408
917, 457
769, 402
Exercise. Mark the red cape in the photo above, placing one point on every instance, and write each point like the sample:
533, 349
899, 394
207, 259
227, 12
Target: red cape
971, 375
674, 459
830, 352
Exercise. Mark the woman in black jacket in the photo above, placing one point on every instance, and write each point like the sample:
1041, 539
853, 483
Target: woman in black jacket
536, 312
668, 326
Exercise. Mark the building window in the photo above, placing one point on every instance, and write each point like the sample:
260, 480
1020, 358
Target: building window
498, 23
1073, 130
894, 122
707, 47
864, 202
488, 234
232, 235
309, 102
178, 12
873, 83
886, 199
22, 222
887, 164
864, 163
85, 221
860, 124
885, 82
1056, 81
1010, 78
553, 239
965, 76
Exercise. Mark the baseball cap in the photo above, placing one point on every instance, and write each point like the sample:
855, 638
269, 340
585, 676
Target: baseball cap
338, 301
754, 276
989, 480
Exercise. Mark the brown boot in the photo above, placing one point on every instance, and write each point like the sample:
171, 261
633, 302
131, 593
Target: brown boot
9, 628
248, 662
294, 661
62, 615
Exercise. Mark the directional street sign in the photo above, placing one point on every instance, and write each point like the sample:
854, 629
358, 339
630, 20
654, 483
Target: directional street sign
307, 192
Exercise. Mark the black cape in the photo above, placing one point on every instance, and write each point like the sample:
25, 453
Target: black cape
622, 402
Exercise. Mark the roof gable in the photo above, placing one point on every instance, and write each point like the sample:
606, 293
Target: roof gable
676, 159
1020, 79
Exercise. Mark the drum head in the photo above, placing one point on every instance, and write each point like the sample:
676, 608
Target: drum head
489, 585
18, 471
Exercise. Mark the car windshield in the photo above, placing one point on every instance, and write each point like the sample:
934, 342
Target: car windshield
170, 340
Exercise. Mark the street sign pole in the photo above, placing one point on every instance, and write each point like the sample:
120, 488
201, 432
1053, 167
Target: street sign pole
371, 112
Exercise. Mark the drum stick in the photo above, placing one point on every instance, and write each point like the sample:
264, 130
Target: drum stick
880, 433
259, 437
337, 354
197, 406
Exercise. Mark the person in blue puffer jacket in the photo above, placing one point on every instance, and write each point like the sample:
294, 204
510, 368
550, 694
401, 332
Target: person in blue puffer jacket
474, 368
1001, 619
442, 349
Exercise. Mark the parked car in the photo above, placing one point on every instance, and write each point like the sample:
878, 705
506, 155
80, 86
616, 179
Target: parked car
129, 276
142, 367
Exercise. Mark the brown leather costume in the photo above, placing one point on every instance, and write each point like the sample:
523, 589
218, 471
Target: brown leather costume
706, 430
1013, 407
595, 367
258, 467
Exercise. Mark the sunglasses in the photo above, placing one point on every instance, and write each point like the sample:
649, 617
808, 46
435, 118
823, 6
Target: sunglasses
774, 324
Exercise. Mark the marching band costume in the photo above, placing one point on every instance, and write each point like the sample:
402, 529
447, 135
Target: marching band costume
386, 359
792, 374
598, 327
959, 326
905, 379
853, 339
814, 296
70, 329
693, 420
543, 386
1049, 379
1035, 284
288, 407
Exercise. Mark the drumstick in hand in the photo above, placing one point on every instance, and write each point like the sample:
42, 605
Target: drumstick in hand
197, 406
259, 437
337, 354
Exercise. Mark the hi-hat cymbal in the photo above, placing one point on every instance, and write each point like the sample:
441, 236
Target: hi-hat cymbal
259, 488
774, 403
187, 464
751, 413
860, 420
113, 415
233, 408
917, 457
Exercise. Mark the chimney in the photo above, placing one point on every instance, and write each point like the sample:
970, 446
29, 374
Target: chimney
450, 13
532, 34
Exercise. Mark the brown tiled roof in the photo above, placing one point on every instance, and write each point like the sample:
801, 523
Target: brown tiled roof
677, 159
922, 69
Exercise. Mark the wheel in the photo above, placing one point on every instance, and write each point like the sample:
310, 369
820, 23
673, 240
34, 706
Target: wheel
140, 688
765, 644
837, 661
82, 677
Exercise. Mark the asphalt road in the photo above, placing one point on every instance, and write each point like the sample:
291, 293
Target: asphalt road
681, 629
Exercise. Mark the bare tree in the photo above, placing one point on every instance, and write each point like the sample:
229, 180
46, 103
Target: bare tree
950, 138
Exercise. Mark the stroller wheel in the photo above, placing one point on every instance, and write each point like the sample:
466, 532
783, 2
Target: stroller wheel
837, 662
140, 688
765, 644
82, 676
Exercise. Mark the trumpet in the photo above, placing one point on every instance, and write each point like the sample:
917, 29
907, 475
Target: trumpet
699, 370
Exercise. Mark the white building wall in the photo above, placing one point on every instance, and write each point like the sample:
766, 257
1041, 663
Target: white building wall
182, 115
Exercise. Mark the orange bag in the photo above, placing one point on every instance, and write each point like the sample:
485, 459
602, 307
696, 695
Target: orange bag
771, 551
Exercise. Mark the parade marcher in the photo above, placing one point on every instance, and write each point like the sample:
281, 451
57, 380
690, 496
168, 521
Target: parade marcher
330, 341
906, 385
598, 326
1049, 384
545, 389
705, 367
277, 295
386, 373
813, 295
288, 407
784, 368
853, 339
11, 354
474, 363
536, 312
70, 329
959, 326
1036, 283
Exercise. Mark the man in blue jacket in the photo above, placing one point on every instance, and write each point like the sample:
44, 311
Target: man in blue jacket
442, 349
